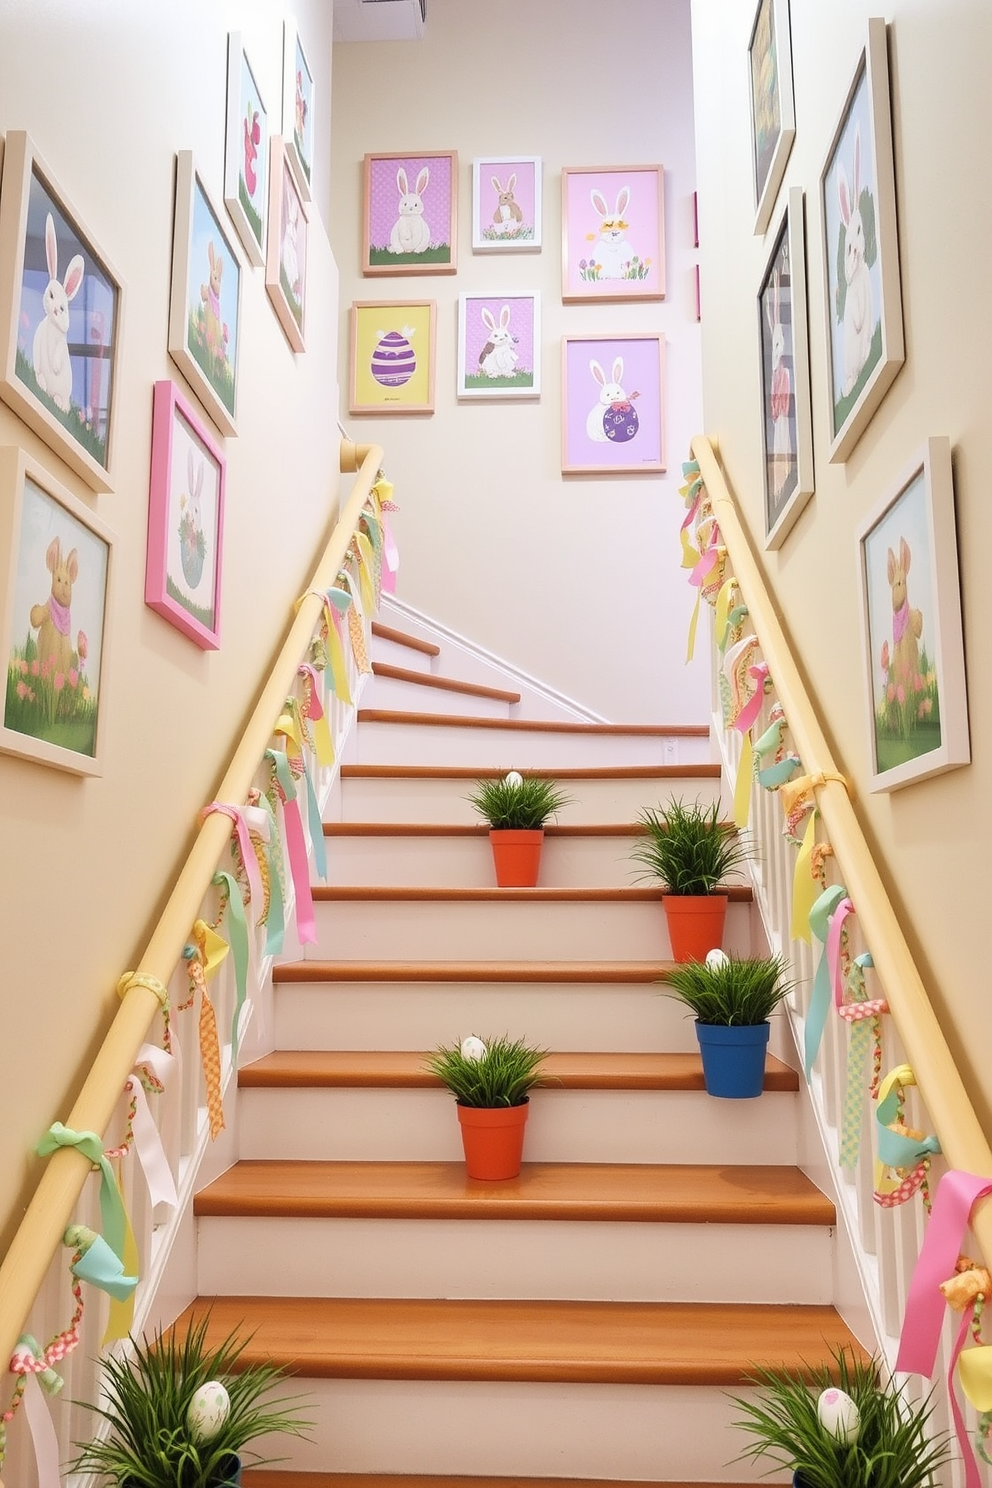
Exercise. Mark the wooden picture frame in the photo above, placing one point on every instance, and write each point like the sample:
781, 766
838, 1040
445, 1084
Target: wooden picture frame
61, 309
246, 152
205, 303
773, 112
612, 233
184, 555
288, 247
499, 346
786, 412
391, 365
410, 213
56, 557
865, 345
298, 109
613, 419
506, 204
911, 628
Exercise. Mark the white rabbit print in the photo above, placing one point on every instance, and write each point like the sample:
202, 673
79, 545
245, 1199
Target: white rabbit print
855, 302
411, 231
50, 349
612, 416
613, 254
291, 256
499, 356
779, 390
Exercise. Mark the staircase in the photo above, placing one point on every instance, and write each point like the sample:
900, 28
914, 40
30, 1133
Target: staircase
585, 1321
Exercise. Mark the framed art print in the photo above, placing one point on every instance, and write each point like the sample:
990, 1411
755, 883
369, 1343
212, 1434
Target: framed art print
786, 420
410, 214
286, 263
613, 404
392, 356
246, 152
773, 116
865, 346
911, 626
613, 233
499, 346
185, 519
61, 305
506, 204
297, 109
56, 560
205, 305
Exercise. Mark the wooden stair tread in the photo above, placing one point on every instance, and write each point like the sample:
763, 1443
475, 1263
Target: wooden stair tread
568, 1342
606, 972
268, 1477
618, 1193
443, 684
329, 893
533, 725
402, 638
475, 829
404, 1069
467, 772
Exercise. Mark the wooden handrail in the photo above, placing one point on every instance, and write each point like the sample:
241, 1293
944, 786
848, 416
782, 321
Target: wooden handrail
961, 1137
50, 1210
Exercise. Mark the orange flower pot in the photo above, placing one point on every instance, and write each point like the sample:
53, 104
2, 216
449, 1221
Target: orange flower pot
695, 924
493, 1139
517, 857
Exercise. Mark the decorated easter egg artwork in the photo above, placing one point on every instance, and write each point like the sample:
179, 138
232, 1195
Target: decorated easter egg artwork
394, 360
620, 422
473, 1048
208, 1410
838, 1414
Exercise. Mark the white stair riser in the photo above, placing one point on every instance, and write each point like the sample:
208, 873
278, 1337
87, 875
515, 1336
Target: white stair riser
582, 1261
566, 862
676, 1432
389, 1015
393, 654
440, 800
593, 1126
376, 743
518, 930
416, 697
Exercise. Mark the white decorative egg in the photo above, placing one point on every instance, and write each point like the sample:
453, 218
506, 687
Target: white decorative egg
208, 1410
717, 958
473, 1048
838, 1414
514, 778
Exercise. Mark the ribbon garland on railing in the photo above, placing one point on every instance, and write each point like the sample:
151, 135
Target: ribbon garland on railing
863, 1017
902, 1166
203, 955
233, 905
296, 848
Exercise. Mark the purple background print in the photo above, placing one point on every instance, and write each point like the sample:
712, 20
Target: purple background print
640, 375
521, 326
384, 196
523, 191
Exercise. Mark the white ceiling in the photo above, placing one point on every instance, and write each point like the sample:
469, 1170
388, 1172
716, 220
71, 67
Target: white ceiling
378, 20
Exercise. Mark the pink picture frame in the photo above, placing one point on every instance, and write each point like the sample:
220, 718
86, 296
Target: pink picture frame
612, 233
185, 549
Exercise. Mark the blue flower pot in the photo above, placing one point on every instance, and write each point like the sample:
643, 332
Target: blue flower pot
733, 1058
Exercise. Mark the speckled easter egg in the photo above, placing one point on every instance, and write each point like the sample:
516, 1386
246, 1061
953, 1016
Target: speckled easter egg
620, 423
394, 360
838, 1414
208, 1410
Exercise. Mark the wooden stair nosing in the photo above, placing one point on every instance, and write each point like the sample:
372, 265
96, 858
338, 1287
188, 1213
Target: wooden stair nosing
533, 725
443, 684
405, 1069
349, 893
403, 638
593, 972
697, 771
264, 1477
476, 829
639, 1343
618, 1193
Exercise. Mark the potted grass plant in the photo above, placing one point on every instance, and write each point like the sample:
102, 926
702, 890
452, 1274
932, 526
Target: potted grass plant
491, 1080
732, 999
517, 807
691, 852
177, 1412
837, 1426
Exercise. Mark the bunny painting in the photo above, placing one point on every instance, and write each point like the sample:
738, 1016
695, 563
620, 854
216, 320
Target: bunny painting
410, 213
506, 203
205, 311
779, 393
612, 406
855, 304
613, 231
411, 231
499, 355
612, 254
192, 542
50, 349
51, 619
498, 346
508, 216
907, 623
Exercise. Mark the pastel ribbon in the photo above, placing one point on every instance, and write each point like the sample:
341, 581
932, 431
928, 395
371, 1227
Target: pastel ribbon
804, 884
240, 824
46, 1446
366, 569
336, 663
857, 1062
748, 715
737, 671
209, 950
390, 558
835, 930
721, 614
275, 919
112, 1214
148, 1147
314, 708
742, 787
120, 1314
238, 930
316, 825
372, 523
30, 1358
296, 848
819, 1002
778, 774
898, 1151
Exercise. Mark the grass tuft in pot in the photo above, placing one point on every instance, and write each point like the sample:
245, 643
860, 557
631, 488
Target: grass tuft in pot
149, 1436
688, 848
730, 990
842, 1428
518, 803
488, 1073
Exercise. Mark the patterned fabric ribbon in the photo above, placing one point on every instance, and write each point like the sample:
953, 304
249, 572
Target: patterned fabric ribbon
238, 930
819, 1002
296, 848
903, 1155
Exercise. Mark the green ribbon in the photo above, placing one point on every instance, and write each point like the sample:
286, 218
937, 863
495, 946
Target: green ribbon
857, 1062
374, 528
238, 929
275, 922
895, 1150
97, 1264
316, 827
772, 776
111, 1203
819, 1002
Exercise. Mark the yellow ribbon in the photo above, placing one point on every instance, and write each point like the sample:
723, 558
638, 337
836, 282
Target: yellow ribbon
742, 790
975, 1374
336, 662
212, 948
805, 889
794, 790
723, 608
120, 1318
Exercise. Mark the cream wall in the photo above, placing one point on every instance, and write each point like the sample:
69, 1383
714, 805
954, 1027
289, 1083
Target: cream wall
574, 579
931, 838
109, 91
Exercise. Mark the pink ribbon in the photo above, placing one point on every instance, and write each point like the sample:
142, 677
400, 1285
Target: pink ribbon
299, 867
705, 566
390, 558
856, 1012
748, 715
46, 1447
316, 708
247, 851
147, 1139
834, 932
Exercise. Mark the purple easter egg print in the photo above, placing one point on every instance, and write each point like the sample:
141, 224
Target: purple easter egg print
394, 360
620, 422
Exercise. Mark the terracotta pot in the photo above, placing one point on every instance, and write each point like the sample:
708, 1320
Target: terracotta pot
517, 857
493, 1139
695, 924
